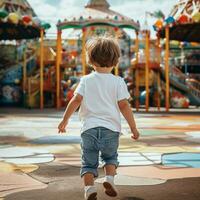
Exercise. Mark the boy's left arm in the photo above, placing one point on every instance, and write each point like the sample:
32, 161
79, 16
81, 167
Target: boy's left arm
72, 106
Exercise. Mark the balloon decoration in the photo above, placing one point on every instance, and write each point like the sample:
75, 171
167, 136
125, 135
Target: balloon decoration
45, 25
183, 19
26, 19
170, 20
92, 28
115, 17
13, 18
158, 24
3, 13
196, 17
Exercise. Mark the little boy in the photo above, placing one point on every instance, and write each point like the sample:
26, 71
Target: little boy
101, 97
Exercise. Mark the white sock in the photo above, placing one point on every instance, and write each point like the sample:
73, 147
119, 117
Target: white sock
88, 187
111, 178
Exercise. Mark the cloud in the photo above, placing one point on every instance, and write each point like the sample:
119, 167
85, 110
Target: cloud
51, 10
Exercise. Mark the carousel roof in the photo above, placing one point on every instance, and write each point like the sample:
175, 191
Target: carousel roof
186, 24
18, 20
96, 13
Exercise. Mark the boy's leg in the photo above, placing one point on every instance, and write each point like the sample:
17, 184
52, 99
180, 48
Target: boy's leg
88, 179
90, 161
110, 170
109, 157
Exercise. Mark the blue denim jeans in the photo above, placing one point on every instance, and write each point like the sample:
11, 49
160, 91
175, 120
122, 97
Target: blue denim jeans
98, 142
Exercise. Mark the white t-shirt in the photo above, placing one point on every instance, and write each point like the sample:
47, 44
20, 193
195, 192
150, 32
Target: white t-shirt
99, 107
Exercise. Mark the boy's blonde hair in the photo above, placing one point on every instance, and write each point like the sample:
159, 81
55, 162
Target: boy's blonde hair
103, 51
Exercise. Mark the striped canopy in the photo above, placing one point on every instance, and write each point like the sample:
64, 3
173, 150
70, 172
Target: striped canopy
97, 13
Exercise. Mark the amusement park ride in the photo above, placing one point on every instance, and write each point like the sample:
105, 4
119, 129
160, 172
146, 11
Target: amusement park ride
183, 24
50, 73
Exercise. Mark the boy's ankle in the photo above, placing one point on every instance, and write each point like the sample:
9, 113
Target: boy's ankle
87, 187
90, 192
111, 178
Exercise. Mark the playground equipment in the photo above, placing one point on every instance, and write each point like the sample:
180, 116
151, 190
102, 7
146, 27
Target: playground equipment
183, 24
11, 73
146, 67
34, 98
189, 87
18, 21
97, 18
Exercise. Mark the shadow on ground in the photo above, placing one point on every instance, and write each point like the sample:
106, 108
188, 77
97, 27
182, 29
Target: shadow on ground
64, 183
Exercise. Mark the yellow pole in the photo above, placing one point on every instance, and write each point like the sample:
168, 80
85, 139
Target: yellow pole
41, 68
24, 72
147, 70
84, 70
167, 67
137, 92
58, 62
158, 71
116, 69
159, 86
29, 92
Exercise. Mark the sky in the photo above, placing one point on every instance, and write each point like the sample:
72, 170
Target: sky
52, 10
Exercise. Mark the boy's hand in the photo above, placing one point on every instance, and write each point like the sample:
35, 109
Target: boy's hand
61, 126
135, 133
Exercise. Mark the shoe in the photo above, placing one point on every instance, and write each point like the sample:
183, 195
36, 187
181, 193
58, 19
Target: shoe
110, 188
90, 193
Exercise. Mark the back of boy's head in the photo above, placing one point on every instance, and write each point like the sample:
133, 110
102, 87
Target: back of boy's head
103, 51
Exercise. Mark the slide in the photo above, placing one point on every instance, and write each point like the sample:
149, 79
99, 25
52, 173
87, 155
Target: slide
187, 86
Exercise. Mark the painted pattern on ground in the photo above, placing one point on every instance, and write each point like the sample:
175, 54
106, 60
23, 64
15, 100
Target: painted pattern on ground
168, 149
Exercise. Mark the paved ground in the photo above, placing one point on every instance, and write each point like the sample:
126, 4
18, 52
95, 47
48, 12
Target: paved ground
37, 163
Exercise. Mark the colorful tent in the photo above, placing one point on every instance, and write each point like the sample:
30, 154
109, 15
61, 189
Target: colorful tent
97, 13
184, 22
18, 20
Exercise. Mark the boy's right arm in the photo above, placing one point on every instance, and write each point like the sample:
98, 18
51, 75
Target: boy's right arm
72, 106
128, 115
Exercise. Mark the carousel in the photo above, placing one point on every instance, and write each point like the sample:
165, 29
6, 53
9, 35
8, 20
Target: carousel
183, 24
18, 22
96, 19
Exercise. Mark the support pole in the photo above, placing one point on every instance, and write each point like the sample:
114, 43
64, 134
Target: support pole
58, 62
117, 33
117, 70
41, 69
158, 90
167, 67
158, 71
147, 70
84, 70
137, 92
24, 73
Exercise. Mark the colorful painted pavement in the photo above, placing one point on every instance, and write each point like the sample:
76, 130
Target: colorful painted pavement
37, 163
